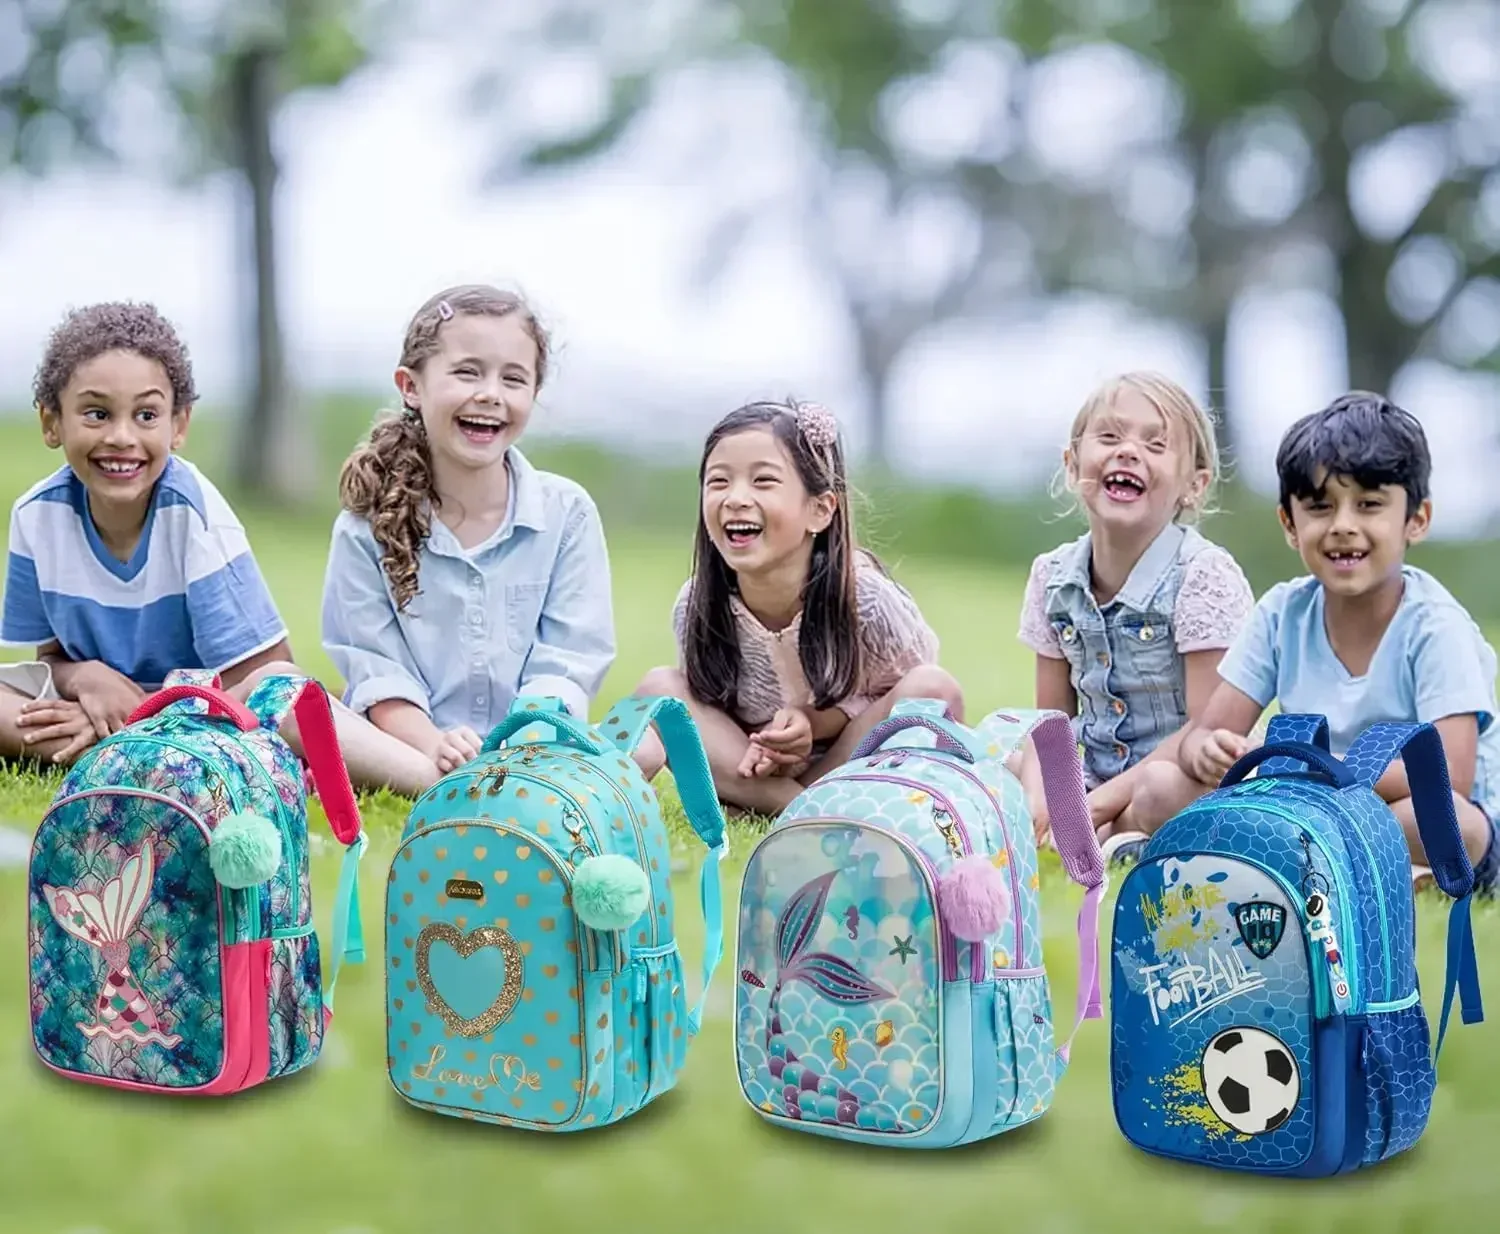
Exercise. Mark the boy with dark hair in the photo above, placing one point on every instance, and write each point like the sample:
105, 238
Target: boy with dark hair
1364, 637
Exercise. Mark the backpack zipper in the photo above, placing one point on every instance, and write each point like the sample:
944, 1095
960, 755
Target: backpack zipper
1346, 898
956, 836
588, 845
1323, 1007
530, 753
900, 756
293, 889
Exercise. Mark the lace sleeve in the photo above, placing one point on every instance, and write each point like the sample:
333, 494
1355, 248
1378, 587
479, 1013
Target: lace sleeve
1213, 602
1036, 631
894, 638
679, 622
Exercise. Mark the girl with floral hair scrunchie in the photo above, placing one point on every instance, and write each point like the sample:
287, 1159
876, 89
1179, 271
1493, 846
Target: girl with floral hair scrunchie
793, 642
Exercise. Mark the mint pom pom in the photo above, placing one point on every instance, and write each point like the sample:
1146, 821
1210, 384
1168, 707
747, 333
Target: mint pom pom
245, 850
609, 892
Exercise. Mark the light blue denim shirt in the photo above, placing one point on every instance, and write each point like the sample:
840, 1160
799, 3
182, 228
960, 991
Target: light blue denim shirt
529, 610
1125, 658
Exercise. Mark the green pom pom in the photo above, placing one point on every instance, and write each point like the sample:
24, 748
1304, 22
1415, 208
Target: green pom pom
610, 892
245, 850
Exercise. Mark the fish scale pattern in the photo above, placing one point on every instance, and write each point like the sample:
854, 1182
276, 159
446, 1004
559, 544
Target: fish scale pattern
852, 988
186, 972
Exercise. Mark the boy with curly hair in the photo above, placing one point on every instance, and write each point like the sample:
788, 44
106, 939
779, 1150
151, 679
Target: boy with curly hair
127, 563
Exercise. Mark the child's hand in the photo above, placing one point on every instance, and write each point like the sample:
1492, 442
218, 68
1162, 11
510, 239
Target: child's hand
788, 738
58, 719
455, 748
1216, 753
106, 696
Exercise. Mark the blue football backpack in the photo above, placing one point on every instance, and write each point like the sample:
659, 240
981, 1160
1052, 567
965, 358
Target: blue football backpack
1264, 1001
533, 975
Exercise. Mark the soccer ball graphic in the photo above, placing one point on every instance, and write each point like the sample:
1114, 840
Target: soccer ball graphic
1250, 1079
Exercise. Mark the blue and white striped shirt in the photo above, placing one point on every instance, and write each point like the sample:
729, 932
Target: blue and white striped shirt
191, 595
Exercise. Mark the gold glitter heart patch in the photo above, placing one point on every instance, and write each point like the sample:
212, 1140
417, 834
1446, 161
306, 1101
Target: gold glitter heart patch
466, 945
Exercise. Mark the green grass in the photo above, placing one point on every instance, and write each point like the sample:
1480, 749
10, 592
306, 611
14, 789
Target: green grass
335, 1150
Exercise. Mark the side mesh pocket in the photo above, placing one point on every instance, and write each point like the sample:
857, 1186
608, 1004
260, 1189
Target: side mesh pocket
296, 1004
1023, 1031
1399, 1081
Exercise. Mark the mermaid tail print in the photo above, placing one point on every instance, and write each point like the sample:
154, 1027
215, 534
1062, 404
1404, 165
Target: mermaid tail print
105, 919
835, 979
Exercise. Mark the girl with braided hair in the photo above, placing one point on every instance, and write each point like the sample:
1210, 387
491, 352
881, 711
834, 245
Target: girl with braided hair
460, 575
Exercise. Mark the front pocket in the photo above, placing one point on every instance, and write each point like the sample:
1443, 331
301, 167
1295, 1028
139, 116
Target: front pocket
1027, 1071
838, 994
1399, 1081
484, 984
296, 1004
127, 979
1212, 1014
523, 613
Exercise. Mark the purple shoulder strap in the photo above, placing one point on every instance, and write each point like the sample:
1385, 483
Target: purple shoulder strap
1051, 733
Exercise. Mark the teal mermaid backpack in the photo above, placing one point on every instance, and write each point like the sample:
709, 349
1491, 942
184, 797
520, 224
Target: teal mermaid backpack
533, 976
891, 986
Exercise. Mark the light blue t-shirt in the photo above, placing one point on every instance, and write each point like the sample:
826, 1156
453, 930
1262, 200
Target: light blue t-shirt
190, 597
529, 610
1432, 662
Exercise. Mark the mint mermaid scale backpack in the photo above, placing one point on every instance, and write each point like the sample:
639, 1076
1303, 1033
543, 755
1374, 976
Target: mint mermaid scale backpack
533, 974
170, 932
891, 986
1265, 1008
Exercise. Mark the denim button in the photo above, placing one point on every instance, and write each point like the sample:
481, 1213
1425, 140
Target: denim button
1147, 634
1104, 657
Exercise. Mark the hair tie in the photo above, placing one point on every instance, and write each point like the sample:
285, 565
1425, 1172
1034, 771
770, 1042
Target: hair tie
817, 425
445, 310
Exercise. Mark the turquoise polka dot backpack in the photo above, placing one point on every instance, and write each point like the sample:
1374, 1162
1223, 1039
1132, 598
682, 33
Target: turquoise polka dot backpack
533, 973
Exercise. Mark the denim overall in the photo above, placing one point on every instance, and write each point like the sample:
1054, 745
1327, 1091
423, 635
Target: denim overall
1123, 658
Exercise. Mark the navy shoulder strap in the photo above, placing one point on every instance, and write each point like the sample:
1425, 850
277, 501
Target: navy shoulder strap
1302, 729
1421, 748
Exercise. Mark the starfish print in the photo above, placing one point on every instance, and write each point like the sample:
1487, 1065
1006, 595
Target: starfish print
903, 947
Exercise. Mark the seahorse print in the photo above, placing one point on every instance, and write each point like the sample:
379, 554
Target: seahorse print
105, 919
830, 976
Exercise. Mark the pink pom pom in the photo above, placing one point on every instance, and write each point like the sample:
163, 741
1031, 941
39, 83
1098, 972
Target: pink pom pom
974, 898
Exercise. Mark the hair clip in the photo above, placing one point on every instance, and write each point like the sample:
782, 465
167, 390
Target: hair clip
817, 424
445, 310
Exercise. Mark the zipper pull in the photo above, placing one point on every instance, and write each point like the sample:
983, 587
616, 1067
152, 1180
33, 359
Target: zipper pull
1320, 930
948, 825
574, 827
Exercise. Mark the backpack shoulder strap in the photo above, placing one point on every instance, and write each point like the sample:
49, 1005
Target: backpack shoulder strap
1051, 732
1303, 729
272, 700
625, 725
1421, 748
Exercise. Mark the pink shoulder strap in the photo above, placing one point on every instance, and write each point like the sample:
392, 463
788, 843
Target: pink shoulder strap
1072, 829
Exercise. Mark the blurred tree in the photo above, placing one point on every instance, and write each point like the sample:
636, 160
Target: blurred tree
224, 68
1345, 145
912, 230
